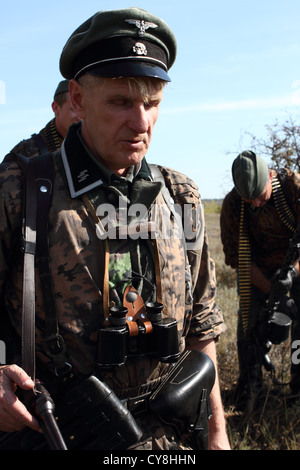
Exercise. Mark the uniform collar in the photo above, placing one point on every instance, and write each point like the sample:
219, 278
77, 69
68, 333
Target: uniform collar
84, 172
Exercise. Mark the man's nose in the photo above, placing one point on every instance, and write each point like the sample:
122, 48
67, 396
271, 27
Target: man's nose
256, 202
138, 120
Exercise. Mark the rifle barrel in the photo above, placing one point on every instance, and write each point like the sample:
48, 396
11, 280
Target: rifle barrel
52, 432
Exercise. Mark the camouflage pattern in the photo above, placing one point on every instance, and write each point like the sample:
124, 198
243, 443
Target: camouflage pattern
269, 235
51, 141
77, 259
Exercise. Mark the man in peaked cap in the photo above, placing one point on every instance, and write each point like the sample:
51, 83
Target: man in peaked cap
108, 205
258, 218
50, 138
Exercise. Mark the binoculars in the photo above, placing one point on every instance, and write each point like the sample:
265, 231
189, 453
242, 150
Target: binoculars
115, 343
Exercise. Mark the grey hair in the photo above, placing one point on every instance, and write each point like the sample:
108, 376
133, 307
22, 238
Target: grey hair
145, 85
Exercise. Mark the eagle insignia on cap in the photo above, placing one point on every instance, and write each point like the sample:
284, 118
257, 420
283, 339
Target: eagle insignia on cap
142, 25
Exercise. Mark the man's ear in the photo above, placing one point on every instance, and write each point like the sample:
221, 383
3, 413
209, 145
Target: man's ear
76, 96
55, 107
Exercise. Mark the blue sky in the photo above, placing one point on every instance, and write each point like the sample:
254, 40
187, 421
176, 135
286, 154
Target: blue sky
237, 70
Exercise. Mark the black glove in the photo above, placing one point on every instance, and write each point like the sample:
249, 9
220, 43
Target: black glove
283, 286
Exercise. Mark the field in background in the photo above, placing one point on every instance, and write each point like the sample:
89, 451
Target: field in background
275, 424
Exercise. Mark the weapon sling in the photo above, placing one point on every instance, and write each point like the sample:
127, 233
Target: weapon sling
38, 192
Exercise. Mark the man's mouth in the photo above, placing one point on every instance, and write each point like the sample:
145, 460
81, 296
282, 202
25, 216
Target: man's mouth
134, 143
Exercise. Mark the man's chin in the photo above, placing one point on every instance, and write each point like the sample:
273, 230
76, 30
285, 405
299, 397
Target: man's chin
127, 162
133, 159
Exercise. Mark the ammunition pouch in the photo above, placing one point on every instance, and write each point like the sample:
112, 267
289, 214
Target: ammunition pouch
183, 401
90, 417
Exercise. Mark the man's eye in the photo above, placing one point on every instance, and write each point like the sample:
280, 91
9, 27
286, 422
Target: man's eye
151, 104
120, 102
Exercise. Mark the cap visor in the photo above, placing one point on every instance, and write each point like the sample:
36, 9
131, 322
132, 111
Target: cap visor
130, 69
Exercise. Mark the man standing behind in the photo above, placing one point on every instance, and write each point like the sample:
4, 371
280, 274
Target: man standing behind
258, 218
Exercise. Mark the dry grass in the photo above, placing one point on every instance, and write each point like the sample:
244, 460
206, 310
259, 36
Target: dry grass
275, 424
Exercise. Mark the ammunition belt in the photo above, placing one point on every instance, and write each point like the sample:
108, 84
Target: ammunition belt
52, 137
281, 205
244, 277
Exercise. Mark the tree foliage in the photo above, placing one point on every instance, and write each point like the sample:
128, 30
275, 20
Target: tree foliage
281, 146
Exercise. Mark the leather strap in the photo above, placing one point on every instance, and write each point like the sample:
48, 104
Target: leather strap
106, 302
38, 192
136, 312
29, 247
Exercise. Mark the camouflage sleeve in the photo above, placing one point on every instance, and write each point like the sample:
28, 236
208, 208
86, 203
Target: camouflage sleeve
229, 222
207, 320
27, 147
10, 215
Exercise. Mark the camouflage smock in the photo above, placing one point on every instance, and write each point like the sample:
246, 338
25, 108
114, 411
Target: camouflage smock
47, 140
77, 262
268, 234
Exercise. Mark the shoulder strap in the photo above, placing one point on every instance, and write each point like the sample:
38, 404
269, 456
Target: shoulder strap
38, 193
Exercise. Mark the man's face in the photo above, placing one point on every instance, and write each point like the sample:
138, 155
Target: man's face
65, 116
263, 198
117, 120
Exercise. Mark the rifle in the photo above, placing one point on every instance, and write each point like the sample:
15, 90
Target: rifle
274, 325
